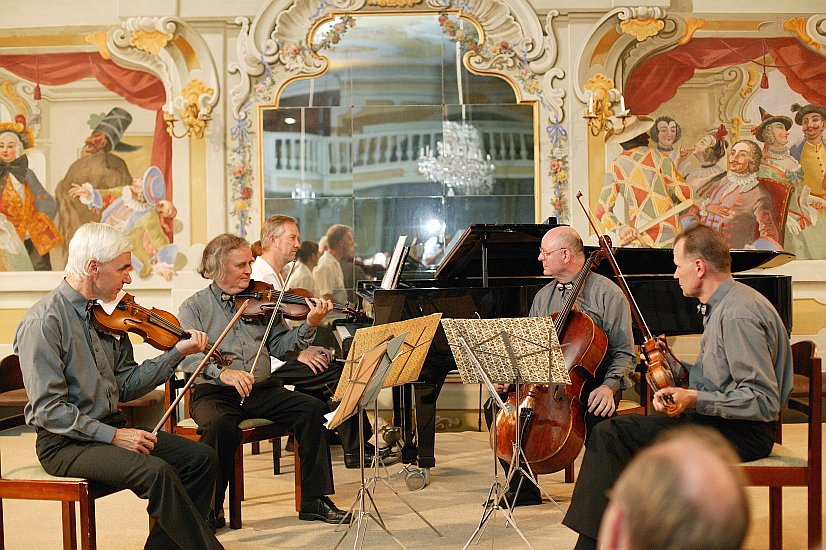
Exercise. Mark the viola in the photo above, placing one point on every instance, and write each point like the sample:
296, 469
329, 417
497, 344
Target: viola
157, 327
659, 372
263, 297
552, 418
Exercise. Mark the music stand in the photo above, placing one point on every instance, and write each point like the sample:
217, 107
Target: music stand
380, 365
506, 351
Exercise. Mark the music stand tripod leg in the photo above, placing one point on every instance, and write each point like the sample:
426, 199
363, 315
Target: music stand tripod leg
377, 477
497, 490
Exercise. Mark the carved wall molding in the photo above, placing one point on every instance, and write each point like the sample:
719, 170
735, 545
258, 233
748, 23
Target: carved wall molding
273, 49
18, 98
175, 52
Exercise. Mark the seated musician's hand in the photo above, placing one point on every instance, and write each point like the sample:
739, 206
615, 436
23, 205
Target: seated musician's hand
196, 343
601, 401
131, 439
241, 380
315, 357
501, 388
681, 400
319, 308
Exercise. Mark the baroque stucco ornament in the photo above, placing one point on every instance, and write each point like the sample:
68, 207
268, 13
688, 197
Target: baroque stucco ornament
273, 49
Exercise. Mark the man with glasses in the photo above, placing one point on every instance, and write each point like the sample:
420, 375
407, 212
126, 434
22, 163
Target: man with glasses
563, 256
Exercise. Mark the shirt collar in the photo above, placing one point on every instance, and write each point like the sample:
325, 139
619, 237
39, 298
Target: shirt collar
74, 297
720, 293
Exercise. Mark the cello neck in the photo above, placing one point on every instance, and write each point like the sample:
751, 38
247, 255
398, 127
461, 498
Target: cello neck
578, 284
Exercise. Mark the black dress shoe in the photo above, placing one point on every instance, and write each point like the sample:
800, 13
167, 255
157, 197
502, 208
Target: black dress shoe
351, 460
526, 498
216, 521
290, 446
322, 508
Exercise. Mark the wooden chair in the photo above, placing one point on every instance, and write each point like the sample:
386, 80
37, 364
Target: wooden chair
31, 482
783, 467
12, 392
252, 430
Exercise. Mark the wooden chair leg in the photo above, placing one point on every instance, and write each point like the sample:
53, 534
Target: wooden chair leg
67, 512
2, 532
276, 456
256, 447
297, 478
88, 533
236, 485
815, 514
776, 518
569, 473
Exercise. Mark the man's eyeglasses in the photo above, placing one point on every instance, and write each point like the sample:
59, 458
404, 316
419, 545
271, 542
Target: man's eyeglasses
545, 254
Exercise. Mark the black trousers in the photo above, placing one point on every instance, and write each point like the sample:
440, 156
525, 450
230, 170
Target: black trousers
614, 443
322, 386
218, 411
528, 489
177, 478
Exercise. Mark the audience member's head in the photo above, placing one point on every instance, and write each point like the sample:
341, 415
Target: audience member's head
682, 493
308, 254
340, 241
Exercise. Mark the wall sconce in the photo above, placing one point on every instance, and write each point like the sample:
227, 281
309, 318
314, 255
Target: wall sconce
600, 118
195, 105
194, 124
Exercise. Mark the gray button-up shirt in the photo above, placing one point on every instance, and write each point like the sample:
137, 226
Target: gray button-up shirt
75, 378
605, 304
744, 370
205, 311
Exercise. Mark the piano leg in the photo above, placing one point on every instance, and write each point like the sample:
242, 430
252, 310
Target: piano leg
426, 395
403, 419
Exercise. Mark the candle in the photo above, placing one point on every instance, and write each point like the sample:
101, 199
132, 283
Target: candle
591, 103
622, 105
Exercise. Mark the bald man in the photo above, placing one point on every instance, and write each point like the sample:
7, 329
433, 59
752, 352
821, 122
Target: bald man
683, 493
563, 257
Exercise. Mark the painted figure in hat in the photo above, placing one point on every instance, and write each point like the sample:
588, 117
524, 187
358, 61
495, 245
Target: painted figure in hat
666, 133
778, 163
702, 171
97, 166
137, 209
650, 185
24, 203
740, 207
806, 225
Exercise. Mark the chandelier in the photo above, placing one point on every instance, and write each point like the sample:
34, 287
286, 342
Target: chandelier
460, 164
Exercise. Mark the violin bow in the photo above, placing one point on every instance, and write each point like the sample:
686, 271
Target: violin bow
272, 319
198, 370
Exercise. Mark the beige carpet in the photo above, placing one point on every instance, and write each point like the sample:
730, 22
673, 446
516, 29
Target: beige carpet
452, 503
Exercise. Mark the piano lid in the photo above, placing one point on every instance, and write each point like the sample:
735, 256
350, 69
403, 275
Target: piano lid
513, 250
659, 261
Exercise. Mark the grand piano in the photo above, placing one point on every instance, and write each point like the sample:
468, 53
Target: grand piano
493, 271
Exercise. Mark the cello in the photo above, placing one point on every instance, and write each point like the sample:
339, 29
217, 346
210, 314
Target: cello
552, 418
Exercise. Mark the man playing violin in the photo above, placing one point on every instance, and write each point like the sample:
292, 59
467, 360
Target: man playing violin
563, 256
74, 378
311, 371
216, 403
737, 385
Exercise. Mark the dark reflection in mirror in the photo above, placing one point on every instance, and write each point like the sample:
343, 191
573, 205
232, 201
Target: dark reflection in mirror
356, 145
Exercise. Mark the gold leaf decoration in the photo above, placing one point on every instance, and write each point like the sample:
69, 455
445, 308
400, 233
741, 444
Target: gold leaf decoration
99, 40
750, 82
692, 25
194, 119
642, 29
149, 41
393, 3
600, 84
14, 97
798, 26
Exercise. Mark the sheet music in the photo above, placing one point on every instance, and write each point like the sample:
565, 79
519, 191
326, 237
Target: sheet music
391, 276
538, 355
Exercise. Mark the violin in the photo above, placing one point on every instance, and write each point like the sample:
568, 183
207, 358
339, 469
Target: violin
157, 327
660, 372
263, 297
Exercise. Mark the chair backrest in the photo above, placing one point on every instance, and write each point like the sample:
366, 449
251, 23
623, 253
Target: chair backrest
808, 366
11, 378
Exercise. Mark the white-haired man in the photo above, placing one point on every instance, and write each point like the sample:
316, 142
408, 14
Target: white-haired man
74, 378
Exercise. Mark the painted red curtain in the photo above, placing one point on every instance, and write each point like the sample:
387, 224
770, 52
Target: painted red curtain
136, 87
657, 80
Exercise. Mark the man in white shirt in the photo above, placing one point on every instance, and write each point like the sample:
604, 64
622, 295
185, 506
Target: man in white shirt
329, 278
311, 371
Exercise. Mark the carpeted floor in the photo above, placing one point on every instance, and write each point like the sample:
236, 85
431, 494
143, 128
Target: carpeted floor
452, 503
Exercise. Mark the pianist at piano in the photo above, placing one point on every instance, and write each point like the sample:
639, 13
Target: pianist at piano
562, 256
737, 385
